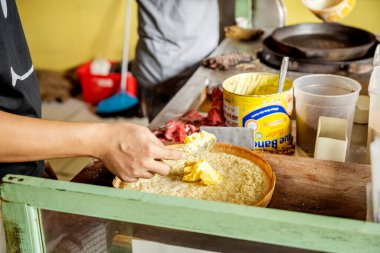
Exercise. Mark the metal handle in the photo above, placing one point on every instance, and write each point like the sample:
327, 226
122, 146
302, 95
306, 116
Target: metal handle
284, 69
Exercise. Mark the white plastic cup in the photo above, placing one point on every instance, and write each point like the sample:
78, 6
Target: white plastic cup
323, 95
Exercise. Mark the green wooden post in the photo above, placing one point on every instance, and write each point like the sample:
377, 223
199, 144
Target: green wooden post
22, 226
277, 227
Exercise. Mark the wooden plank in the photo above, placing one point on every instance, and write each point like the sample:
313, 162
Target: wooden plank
278, 227
320, 187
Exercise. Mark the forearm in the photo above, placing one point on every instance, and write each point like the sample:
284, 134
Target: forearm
29, 139
127, 150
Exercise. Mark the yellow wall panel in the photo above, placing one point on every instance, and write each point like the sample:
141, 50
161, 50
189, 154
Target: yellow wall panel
365, 15
64, 33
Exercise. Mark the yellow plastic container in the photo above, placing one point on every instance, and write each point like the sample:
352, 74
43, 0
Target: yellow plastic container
251, 100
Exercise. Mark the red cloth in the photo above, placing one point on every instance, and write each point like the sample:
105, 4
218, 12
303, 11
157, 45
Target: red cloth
176, 130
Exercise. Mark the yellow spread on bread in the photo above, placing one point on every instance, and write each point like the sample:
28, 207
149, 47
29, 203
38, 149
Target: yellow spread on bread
199, 142
201, 171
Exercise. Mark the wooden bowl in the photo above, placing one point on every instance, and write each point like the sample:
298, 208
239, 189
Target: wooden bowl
256, 159
240, 152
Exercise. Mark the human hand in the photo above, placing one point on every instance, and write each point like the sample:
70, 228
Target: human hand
131, 152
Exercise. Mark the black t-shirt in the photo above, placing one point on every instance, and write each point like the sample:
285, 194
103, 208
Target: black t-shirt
19, 92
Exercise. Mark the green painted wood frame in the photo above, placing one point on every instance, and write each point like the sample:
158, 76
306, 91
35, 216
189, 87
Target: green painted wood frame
22, 196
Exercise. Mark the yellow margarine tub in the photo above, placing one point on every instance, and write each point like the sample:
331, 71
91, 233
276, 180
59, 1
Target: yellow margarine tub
251, 100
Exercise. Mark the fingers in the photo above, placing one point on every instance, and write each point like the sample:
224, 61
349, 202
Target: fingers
163, 153
139, 154
160, 168
147, 175
128, 179
152, 166
143, 174
148, 172
154, 139
158, 142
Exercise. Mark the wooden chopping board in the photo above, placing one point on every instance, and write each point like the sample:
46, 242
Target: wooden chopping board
320, 187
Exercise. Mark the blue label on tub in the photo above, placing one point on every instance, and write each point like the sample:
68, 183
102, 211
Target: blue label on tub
262, 112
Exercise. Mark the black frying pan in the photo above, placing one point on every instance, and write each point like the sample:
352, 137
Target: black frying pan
270, 55
324, 41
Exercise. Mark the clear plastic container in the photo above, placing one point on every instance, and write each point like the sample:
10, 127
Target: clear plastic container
374, 106
375, 167
323, 95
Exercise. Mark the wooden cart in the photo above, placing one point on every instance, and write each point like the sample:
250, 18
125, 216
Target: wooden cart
316, 206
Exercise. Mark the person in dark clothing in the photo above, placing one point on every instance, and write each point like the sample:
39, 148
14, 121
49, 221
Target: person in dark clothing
129, 151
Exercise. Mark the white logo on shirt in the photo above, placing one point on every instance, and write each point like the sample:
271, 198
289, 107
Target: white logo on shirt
16, 77
4, 7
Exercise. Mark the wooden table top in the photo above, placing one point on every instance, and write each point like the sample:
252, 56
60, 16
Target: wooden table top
303, 184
